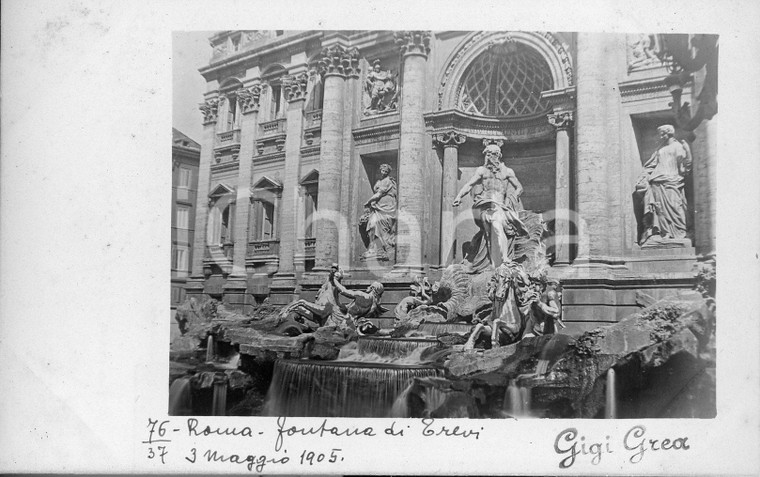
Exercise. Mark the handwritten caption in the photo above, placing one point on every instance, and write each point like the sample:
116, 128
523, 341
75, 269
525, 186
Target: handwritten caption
166, 441
573, 446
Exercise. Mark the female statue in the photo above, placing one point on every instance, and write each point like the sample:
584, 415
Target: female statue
378, 224
659, 199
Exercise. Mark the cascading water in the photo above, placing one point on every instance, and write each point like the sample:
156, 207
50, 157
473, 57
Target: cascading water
436, 329
210, 354
392, 347
180, 398
338, 389
364, 381
513, 400
610, 401
219, 403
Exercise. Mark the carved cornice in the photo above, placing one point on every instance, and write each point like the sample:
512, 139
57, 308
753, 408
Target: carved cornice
413, 42
477, 127
377, 133
339, 61
449, 139
563, 120
648, 88
295, 86
210, 110
249, 98
560, 99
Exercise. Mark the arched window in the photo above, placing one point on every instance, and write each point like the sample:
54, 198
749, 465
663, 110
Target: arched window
505, 80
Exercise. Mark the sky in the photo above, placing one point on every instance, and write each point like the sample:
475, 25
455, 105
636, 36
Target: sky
190, 51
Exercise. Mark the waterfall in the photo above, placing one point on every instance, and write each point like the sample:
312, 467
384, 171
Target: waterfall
180, 398
210, 354
440, 328
610, 396
219, 404
513, 400
432, 398
392, 347
338, 389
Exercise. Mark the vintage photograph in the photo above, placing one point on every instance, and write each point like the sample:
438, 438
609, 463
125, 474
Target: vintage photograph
444, 224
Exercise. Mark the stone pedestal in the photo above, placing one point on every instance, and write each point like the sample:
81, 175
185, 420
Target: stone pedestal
415, 46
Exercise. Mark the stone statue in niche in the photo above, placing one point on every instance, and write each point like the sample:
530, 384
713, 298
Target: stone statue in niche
377, 225
659, 200
642, 52
381, 90
496, 205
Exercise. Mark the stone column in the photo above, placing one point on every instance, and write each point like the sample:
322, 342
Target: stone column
563, 121
336, 63
705, 194
294, 87
450, 142
415, 46
598, 145
248, 102
210, 110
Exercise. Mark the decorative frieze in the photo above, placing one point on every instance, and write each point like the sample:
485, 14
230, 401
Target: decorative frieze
561, 120
337, 60
249, 98
295, 86
449, 139
210, 110
412, 42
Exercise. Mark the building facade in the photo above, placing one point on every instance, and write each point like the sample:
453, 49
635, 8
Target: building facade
185, 159
297, 125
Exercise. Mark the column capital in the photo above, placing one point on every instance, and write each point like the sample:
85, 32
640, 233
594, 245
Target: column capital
249, 98
339, 61
210, 110
561, 120
448, 139
413, 42
295, 86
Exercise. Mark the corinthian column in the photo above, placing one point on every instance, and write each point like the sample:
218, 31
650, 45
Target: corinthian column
235, 288
336, 63
210, 110
415, 46
563, 121
294, 87
450, 142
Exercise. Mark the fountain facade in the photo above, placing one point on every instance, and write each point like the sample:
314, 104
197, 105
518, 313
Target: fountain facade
441, 272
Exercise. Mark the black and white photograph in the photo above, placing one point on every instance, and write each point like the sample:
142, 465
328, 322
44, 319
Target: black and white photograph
447, 224
443, 238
